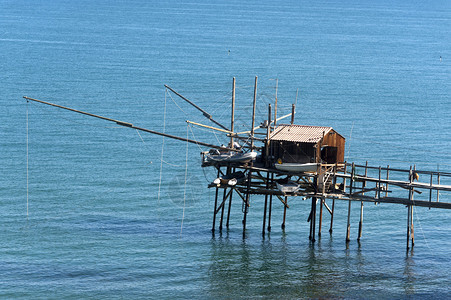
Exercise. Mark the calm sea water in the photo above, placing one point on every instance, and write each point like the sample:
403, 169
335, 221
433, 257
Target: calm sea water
107, 219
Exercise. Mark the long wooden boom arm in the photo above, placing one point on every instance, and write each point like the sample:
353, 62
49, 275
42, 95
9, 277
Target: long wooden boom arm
130, 125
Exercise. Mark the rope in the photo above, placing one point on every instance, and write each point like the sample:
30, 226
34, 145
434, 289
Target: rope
161, 160
350, 136
162, 149
421, 227
27, 158
170, 96
186, 175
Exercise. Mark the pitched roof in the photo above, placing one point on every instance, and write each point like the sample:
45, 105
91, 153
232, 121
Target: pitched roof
299, 133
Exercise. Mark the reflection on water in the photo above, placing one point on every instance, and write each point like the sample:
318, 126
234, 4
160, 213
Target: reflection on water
286, 266
273, 267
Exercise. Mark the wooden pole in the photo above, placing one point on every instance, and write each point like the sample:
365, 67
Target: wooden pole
412, 236
224, 199
334, 181
430, 191
266, 205
332, 216
314, 200
348, 227
222, 209
207, 115
408, 226
293, 108
388, 177
409, 207
313, 211
275, 105
268, 134
230, 205
216, 204
361, 204
438, 182
129, 125
320, 216
232, 122
379, 184
284, 212
270, 202
246, 204
253, 113
344, 179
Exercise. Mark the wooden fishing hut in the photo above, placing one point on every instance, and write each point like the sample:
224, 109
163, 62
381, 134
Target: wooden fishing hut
292, 143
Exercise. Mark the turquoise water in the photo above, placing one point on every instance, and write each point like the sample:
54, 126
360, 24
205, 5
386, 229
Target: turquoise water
100, 224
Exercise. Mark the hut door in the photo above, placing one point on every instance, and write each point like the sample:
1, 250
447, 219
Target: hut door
329, 154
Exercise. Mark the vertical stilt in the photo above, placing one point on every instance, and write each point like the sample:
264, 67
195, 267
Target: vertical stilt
228, 212
224, 199
252, 149
268, 162
408, 226
361, 204
412, 236
246, 204
411, 212
438, 182
409, 209
360, 222
284, 213
222, 209
230, 205
333, 199
232, 128
332, 216
266, 205
214, 210
313, 218
348, 227
388, 177
270, 203
379, 184
430, 191
320, 216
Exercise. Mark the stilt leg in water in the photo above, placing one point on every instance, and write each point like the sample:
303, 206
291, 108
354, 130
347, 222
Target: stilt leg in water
270, 204
348, 227
408, 226
332, 216
222, 209
214, 210
361, 221
320, 216
246, 204
266, 206
284, 213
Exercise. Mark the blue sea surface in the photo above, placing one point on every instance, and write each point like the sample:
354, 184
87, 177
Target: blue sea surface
94, 210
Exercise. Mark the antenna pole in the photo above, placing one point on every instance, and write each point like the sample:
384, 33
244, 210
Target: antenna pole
253, 114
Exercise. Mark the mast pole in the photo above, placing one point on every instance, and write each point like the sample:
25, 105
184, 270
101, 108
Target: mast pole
275, 105
232, 122
253, 113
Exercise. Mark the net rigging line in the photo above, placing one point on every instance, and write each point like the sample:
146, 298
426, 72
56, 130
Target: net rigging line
27, 160
186, 175
162, 149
